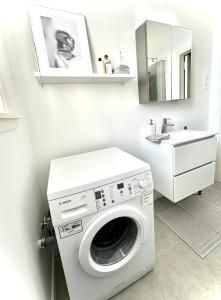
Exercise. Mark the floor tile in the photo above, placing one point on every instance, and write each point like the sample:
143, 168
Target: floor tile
143, 289
217, 186
212, 194
181, 274
165, 238
160, 205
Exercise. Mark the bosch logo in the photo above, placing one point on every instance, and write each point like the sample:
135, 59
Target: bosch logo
66, 201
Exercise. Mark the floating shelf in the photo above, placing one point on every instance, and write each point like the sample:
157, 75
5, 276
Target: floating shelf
89, 78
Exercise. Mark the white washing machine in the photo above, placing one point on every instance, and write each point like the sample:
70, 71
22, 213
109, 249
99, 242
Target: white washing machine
101, 205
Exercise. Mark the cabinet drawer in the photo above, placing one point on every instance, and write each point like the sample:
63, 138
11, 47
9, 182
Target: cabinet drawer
193, 155
193, 181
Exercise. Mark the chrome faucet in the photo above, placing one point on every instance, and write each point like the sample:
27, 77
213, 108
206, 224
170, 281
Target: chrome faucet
165, 125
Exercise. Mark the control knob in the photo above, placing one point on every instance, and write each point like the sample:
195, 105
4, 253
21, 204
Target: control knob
143, 183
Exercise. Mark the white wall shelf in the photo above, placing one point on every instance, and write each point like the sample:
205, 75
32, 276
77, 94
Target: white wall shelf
88, 78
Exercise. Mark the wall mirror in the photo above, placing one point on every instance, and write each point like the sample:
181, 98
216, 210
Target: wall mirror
163, 62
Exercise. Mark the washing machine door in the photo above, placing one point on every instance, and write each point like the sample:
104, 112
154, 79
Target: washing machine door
112, 240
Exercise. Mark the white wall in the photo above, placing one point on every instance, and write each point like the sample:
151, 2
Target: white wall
215, 98
69, 119
25, 272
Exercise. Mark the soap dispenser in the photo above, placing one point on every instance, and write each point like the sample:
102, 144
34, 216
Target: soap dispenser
151, 128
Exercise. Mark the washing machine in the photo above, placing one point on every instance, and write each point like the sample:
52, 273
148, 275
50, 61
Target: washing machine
101, 205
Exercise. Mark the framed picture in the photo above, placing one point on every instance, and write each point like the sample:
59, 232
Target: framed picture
61, 42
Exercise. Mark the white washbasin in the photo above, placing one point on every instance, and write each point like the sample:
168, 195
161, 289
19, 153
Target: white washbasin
185, 136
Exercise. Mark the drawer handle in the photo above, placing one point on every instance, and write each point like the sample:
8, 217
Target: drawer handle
73, 212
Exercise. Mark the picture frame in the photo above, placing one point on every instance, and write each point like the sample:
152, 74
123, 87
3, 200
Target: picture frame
61, 42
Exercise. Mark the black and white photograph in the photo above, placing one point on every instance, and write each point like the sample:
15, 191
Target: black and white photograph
61, 41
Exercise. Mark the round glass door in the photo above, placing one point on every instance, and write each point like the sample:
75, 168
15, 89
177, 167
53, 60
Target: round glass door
114, 241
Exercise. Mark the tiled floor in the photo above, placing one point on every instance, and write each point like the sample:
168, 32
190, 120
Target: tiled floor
179, 273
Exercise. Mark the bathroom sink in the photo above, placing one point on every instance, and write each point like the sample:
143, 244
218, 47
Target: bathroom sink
185, 136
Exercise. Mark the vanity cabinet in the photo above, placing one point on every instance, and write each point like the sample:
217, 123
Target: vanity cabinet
182, 167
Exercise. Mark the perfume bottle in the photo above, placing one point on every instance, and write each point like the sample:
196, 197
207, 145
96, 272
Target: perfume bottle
107, 64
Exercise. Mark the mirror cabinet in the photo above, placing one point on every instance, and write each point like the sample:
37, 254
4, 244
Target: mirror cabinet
163, 62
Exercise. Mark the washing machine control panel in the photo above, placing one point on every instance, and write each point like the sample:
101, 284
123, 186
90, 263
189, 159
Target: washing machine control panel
123, 190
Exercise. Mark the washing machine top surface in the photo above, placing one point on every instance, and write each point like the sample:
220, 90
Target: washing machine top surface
77, 173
